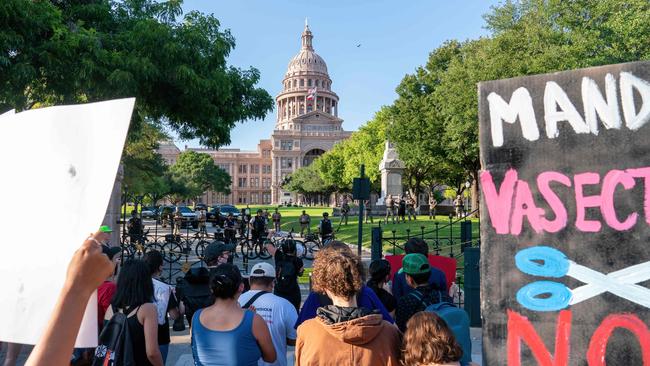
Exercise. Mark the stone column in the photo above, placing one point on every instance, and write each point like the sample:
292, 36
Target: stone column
112, 216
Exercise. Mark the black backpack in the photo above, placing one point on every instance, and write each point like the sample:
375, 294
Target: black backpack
194, 296
287, 274
115, 346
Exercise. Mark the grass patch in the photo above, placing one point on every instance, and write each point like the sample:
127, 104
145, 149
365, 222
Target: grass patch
304, 279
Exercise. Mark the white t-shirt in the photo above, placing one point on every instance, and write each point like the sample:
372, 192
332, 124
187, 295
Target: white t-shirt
280, 316
161, 292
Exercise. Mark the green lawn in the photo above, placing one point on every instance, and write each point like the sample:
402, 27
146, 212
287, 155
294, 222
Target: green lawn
349, 233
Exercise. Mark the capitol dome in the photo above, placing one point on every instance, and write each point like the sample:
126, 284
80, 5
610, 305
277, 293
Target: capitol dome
307, 61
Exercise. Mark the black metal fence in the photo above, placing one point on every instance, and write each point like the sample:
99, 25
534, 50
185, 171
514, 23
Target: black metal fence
181, 250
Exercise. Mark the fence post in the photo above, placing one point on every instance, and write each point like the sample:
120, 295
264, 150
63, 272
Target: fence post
375, 244
465, 235
473, 285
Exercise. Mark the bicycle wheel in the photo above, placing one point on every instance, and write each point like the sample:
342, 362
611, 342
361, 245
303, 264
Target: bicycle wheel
155, 246
311, 248
247, 248
261, 251
200, 248
172, 252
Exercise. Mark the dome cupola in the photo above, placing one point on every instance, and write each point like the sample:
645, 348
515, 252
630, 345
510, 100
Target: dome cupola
307, 61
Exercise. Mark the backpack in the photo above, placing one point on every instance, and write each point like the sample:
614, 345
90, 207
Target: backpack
287, 274
325, 227
457, 320
195, 296
115, 347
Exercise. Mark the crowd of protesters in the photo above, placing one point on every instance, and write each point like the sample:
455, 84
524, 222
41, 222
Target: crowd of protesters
351, 317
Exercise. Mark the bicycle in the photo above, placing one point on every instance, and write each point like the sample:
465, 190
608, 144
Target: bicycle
134, 245
254, 248
277, 238
313, 244
171, 249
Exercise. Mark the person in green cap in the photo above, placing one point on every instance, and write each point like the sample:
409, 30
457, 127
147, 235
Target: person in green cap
417, 270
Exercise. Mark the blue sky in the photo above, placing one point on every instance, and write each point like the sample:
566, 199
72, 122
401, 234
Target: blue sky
395, 37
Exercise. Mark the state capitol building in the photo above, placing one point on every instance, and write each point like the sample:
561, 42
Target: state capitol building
307, 125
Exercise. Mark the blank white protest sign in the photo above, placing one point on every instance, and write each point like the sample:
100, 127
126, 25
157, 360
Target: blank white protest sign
57, 170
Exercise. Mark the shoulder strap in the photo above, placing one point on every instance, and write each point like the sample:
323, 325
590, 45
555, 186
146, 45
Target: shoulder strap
418, 295
252, 299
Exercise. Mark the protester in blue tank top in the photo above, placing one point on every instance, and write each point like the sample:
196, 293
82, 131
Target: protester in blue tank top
224, 334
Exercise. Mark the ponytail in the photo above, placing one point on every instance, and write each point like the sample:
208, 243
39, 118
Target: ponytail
225, 281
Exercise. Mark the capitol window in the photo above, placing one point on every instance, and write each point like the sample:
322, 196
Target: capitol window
286, 163
294, 83
309, 82
286, 145
317, 82
302, 82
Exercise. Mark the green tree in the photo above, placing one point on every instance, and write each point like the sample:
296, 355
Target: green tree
417, 127
175, 64
307, 182
83, 51
198, 173
339, 166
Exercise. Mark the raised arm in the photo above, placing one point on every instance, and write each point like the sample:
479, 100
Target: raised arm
88, 268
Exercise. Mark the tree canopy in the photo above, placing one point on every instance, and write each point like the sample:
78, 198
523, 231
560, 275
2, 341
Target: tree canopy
71, 51
175, 64
198, 173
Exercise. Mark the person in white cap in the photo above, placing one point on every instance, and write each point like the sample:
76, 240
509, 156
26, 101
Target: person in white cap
280, 315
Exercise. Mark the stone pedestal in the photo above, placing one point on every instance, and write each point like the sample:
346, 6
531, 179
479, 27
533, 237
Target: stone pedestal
391, 168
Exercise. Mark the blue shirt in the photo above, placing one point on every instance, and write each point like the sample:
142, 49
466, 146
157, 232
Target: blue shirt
367, 299
401, 288
236, 347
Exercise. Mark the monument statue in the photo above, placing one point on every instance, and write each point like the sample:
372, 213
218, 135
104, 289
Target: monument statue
391, 168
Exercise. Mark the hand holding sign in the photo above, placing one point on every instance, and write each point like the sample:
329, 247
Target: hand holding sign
89, 267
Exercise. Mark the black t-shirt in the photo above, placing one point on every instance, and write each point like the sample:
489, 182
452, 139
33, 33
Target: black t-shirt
163, 330
386, 298
135, 226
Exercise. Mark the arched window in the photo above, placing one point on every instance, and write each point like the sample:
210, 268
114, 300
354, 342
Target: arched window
302, 82
294, 83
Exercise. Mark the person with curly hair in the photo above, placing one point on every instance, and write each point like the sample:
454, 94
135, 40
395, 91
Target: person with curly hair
344, 333
428, 341
365, 298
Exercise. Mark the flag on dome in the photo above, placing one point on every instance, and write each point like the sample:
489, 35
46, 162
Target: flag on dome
311, 93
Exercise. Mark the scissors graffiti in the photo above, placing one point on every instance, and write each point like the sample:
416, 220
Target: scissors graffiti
549, 262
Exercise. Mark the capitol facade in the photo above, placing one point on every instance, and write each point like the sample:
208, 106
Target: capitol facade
307, 125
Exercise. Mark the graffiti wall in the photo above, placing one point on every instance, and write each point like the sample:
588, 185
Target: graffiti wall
565, 217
